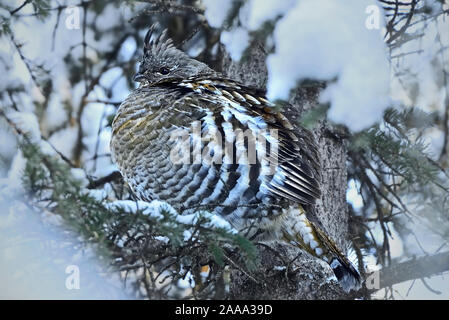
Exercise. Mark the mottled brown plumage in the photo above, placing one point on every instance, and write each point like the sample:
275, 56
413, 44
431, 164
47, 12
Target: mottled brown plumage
258, 183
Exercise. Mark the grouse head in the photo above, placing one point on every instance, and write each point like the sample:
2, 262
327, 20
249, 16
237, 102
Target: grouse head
163, 62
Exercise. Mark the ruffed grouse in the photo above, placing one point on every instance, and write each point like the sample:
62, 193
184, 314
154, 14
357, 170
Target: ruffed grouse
251, 166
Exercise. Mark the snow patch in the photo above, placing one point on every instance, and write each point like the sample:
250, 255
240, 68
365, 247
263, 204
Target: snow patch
236, 41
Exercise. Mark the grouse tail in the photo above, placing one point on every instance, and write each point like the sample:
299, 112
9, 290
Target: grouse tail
347, 275
302, 232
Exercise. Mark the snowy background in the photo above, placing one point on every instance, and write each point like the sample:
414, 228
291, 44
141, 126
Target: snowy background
338, 42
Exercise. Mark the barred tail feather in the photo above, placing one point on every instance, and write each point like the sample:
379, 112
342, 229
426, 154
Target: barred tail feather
347, 275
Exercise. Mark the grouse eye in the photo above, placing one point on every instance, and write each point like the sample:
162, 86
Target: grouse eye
164, 71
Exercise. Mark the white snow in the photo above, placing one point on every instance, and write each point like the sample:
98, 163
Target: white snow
64, 140
12, 184
214, 220
217, 11
55, 115
27, 122
269, 10
152, 209
162, 238
35, 256
80, 175
279, 268
128, 48
353, 196
187, 281
97, 194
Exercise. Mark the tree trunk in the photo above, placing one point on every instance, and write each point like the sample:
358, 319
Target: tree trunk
305, 276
